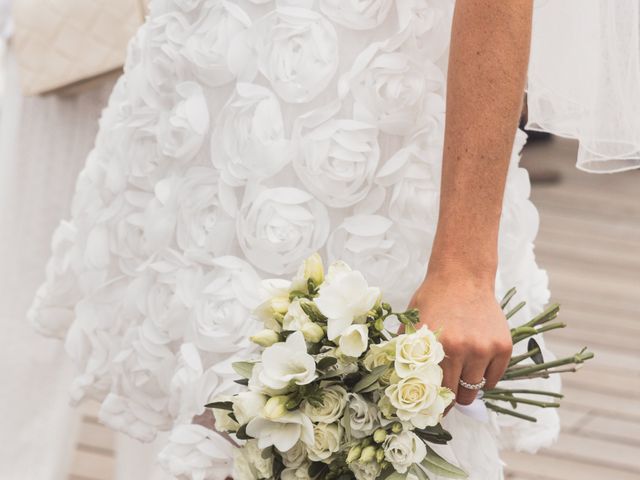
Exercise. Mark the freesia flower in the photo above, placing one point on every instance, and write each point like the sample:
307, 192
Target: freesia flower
283, 432
344, 297
287, 363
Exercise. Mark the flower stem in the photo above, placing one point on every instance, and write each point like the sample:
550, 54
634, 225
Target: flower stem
524, 390
526, 401
506, 411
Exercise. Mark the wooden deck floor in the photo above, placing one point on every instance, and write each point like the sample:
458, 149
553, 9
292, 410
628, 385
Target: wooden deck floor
589, 242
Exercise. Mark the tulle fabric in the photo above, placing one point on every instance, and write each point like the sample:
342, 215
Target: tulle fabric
584, 79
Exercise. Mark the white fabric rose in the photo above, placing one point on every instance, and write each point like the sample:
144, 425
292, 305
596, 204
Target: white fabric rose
192, 387
52, 310
282, 432
334, 401
286, 363
197, 453
357, 14
344, 297
219, 304
327, 439
248, 140
431, 24
335, 158
181, 134
205, 226
375, 246
403, 450
279, 227
417, 350
389, 84
296, 49
363, 416
354, 340
207, 46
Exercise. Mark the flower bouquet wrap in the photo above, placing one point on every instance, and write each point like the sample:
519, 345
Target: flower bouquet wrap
340, 392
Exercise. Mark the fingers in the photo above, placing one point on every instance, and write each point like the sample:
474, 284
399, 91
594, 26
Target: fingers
451, 369
496, 369
472, 372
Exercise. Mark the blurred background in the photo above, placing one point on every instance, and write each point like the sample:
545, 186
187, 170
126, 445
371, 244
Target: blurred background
589, 242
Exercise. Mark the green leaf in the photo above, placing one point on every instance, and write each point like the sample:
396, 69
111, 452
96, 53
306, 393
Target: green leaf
419, 472
243, 369
537, 357
436, 434
371, 388
317, 468
326, 362
241, 434
396, 476
370, 378
438, 465
220, 405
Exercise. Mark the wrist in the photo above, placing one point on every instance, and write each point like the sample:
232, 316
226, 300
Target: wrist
475, 270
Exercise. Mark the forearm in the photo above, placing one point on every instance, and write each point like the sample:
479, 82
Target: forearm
487, 71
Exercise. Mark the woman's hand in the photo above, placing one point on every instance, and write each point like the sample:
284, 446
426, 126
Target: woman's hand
472, 328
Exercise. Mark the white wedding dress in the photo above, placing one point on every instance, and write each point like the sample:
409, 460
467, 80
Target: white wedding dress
243, 136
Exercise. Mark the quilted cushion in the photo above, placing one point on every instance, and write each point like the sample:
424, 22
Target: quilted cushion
62, 42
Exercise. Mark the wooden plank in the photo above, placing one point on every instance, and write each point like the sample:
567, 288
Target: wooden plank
92, 466
546, 466
96, 436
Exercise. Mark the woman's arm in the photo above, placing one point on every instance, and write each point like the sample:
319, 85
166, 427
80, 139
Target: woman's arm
487, 70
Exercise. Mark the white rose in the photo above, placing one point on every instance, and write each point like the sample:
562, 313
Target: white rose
360, 15
251, 464
279, 227
181, 134
389, 83
363, 417
380, 354
295, 456
403, 450
327, 440
419, 398
335, 159
283, 432
296, 473
194, 451
248, 141
287, 362
366, 470
296, 49
345, 297
354, 340
248, 405
415, 351
334, 401
207, 46
381, 251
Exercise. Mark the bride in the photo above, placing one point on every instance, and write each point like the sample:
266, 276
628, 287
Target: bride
246, 135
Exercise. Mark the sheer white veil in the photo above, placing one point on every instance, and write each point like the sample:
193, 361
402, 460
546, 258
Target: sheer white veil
584, 79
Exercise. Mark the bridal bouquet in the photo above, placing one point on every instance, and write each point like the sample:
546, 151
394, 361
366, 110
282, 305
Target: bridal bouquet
339, 394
